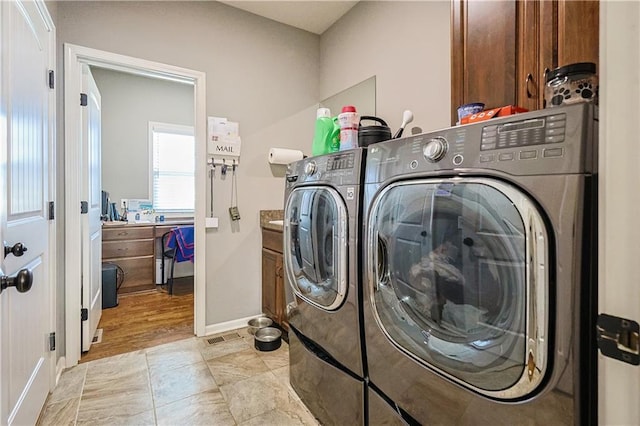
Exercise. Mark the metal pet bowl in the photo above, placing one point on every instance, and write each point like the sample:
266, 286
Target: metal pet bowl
268, 339
256, 324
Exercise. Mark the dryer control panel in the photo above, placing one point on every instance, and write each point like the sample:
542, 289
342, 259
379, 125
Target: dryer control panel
342, 161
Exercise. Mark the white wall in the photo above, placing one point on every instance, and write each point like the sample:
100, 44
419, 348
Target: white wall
269, 77
406, 45
129, 103
260, 73
619, 292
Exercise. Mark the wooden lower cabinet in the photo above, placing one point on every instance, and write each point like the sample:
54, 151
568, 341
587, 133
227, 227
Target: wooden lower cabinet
271, 275
273, 297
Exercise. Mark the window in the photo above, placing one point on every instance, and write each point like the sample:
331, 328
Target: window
173, 165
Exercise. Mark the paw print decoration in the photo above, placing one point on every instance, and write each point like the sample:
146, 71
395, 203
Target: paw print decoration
560, 95
570, 84
585, 90
576, 91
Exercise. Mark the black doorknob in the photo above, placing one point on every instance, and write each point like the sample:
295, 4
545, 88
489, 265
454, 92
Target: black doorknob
17, 250
22, 281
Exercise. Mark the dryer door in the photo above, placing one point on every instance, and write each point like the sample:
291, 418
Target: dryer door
315, 244
458, 280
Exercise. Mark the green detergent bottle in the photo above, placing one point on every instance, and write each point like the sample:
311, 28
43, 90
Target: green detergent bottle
334, 139
325, 128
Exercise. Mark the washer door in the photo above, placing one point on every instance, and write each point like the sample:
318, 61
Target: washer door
315, 235
458, 277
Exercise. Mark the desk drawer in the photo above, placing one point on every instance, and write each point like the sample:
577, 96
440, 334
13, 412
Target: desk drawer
127, 233
272, 240
119, 249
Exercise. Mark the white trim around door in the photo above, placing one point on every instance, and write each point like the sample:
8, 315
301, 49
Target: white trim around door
74, 57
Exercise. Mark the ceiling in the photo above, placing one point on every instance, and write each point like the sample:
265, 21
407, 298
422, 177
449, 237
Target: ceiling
310, 15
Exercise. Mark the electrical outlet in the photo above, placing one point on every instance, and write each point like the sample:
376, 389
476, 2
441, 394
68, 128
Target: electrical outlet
211, 222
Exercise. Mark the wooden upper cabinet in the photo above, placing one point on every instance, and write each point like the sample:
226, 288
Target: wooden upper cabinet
484, 53
578, 32
501, 50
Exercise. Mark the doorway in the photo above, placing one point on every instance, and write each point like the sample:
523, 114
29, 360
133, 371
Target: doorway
147, 152
75, 57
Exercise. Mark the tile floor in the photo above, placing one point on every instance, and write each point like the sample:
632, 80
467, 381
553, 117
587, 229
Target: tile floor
189, 382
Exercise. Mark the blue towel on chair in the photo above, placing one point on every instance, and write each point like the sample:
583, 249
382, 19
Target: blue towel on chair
182, 239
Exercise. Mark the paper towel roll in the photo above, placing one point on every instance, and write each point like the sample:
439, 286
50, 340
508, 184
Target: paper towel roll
284, 156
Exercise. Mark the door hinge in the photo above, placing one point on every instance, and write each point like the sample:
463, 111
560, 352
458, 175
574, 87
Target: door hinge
52, 79
52, 341
619, 338
84, 314
52, 210
84, 207
83, 99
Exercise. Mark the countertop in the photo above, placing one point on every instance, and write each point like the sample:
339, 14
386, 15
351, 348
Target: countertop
266, 216
172, 222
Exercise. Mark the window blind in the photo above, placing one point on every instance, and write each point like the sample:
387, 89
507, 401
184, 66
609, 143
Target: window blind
173, 169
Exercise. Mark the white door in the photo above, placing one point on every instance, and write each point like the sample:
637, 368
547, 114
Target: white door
91, 194
25, 134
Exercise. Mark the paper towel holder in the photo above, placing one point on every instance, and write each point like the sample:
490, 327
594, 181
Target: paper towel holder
284, 156
285, 165
279, 170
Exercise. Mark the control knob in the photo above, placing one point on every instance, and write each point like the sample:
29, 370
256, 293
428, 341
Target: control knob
435, 149
310, 168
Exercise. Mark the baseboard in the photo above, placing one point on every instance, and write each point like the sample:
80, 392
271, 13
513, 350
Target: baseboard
60, 366
227, 326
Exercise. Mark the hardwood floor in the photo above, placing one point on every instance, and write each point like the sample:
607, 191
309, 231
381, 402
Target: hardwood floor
143, 320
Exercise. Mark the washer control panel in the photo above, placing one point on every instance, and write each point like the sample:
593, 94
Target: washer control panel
561, 140
535, 131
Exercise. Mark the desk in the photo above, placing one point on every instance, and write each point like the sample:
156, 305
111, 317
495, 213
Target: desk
133, 247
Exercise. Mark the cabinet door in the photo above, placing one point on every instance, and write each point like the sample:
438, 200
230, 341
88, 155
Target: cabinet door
281, 303
548, 46
578, 23
536, 51
269, 273
484, 53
